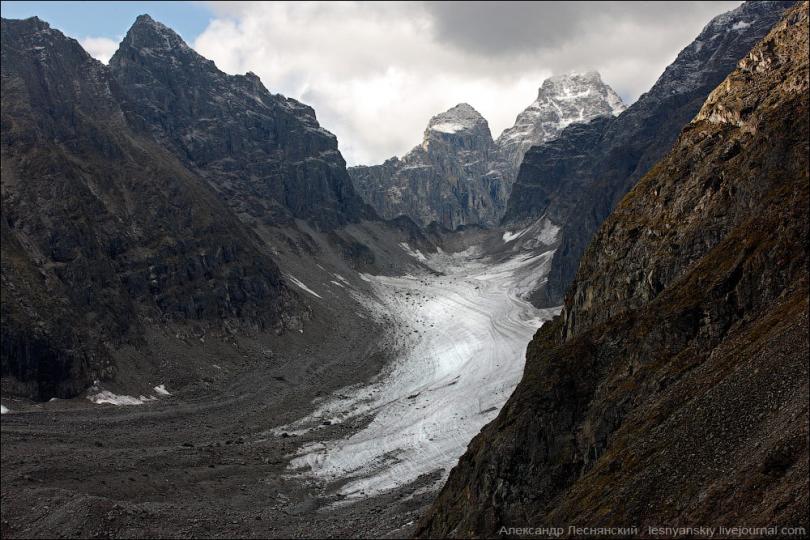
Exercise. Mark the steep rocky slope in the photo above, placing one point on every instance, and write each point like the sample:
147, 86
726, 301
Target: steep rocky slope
110, 226
265, 154
459, 175
580, 184
673, 389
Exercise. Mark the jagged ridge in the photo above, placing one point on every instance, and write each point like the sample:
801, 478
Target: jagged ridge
562, 100
110, 224
265, 154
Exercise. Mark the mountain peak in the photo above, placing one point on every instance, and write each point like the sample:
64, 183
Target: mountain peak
35, 37
452, 168
145, 18
30, 25
566, 78
580, 85
148, 34
461, 118
562, 99
463, 108
145, 21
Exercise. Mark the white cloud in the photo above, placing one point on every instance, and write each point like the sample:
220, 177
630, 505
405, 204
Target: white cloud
376, 72
100, 48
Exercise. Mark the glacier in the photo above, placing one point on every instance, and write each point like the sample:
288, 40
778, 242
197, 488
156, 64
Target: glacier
461, 338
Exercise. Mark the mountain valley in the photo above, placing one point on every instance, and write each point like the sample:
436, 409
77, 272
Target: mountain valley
212, 327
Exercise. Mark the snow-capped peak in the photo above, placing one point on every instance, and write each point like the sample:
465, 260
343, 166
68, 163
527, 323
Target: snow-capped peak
461, 126
462, 117
562, 100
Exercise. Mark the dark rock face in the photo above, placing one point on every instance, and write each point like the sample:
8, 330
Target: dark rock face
265, 154
104, 231
674, 387
584, 185
553, 174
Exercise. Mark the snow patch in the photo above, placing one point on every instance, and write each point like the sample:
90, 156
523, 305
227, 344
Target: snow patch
616, 104
105, 396
540, 233
407, 168
302, 286
161, 389
741, 25
548, 233
509, 236
415, 253
447, 127
4, 409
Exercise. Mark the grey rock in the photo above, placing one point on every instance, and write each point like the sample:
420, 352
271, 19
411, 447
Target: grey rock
128, 198
446, 179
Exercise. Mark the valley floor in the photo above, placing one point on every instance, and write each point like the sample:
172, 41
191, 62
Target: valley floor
346, 435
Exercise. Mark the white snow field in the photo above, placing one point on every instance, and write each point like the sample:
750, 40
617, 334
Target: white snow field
105, 396
462, 340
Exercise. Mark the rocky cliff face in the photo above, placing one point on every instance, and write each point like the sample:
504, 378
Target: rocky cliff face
553, 175
446, 179
263, 153
674, 387
582, 187
459, 175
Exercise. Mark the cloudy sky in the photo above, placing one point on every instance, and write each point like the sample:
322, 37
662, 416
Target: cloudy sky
376, 72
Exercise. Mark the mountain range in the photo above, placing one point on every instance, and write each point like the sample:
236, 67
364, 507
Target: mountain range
459, 175
212, 327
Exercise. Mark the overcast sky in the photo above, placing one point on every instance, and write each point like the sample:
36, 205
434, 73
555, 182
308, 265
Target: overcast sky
376, 72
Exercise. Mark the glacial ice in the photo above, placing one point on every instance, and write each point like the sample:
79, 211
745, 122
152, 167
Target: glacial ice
461, 339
